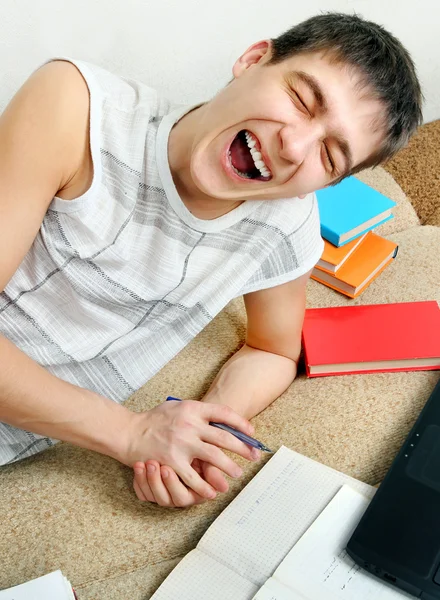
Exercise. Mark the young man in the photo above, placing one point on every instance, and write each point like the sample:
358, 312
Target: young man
127, 224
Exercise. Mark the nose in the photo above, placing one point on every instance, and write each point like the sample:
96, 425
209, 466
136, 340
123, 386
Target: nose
297, 140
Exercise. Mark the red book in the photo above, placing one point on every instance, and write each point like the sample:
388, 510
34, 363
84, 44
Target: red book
376, 337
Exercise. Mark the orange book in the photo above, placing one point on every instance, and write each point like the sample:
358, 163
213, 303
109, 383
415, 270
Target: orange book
334, 257
370, 258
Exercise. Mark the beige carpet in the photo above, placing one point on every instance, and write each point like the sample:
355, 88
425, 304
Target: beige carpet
417, 170
74, 510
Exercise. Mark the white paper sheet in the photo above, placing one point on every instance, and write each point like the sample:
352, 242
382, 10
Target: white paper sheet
53, 586
318, 567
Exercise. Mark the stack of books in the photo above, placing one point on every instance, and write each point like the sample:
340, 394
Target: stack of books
353, 255
400, 336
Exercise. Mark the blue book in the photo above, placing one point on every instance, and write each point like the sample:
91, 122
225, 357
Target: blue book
349, 209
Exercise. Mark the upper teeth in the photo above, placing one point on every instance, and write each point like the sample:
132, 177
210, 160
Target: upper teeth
257, 156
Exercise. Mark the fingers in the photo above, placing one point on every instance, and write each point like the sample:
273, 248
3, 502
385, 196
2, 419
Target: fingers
197, 466
224, 414
139, 493
214, 456
161, 485
211, 474
183, 434
224, 439
157, 486
180, 494
140, 483
167, 489
195, 482
215, 478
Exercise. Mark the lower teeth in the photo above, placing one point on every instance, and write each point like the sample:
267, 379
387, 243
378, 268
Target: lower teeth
240, 173
245, 175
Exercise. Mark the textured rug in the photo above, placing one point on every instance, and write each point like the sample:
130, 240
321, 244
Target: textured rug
417, 170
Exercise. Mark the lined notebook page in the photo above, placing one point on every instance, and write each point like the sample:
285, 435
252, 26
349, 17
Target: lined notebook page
319, 567
274, 590
200, 577
256, 531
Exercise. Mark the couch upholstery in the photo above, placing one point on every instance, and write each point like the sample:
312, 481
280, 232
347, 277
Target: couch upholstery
416, 169
74, 510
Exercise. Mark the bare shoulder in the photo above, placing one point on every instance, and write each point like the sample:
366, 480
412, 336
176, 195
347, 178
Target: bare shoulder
44, 151
63, 81
51, 110
73, 97
58, 87
62, 69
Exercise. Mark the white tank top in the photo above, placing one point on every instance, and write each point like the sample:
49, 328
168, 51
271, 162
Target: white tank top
119, 280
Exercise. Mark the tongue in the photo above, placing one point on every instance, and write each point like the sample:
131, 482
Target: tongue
240, 156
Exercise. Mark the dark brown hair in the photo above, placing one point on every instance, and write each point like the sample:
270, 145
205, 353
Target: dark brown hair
386, 69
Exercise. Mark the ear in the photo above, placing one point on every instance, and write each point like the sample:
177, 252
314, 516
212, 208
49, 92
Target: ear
258, 52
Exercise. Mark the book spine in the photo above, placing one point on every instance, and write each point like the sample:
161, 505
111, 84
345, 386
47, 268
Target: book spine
333, 286
385, 370
315, 276
329, 235
367, 229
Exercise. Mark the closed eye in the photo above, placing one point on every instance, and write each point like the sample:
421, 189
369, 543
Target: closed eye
330, 162
299, 100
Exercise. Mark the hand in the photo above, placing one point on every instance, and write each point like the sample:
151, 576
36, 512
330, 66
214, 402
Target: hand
161, 485
172, 435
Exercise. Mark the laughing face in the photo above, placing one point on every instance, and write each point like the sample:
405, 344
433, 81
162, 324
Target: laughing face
276, 131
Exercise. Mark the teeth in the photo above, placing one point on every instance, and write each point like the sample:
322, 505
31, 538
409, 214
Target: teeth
257, 156
239, 172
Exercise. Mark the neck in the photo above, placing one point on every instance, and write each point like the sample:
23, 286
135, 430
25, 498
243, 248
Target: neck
180, 145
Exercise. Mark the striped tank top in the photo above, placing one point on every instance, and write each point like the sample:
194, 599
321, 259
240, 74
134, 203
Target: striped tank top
119, 280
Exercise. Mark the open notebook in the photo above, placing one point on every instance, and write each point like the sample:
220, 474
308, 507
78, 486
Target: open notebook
248, 541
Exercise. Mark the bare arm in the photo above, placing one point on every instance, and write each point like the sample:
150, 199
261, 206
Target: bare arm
250, 380
44, 152
266, 365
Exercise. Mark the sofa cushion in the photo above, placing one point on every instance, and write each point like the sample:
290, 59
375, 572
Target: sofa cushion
404, 214
74, 510
416, 169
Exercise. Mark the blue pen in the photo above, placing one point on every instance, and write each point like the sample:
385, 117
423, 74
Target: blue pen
247, 439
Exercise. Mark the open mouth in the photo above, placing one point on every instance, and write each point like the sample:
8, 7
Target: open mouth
246, 159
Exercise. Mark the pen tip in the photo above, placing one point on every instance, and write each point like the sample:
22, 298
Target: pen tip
266, 449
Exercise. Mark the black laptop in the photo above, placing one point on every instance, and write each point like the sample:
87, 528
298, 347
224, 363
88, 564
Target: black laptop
398, 538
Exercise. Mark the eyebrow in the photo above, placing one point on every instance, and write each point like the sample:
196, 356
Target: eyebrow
313, 84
